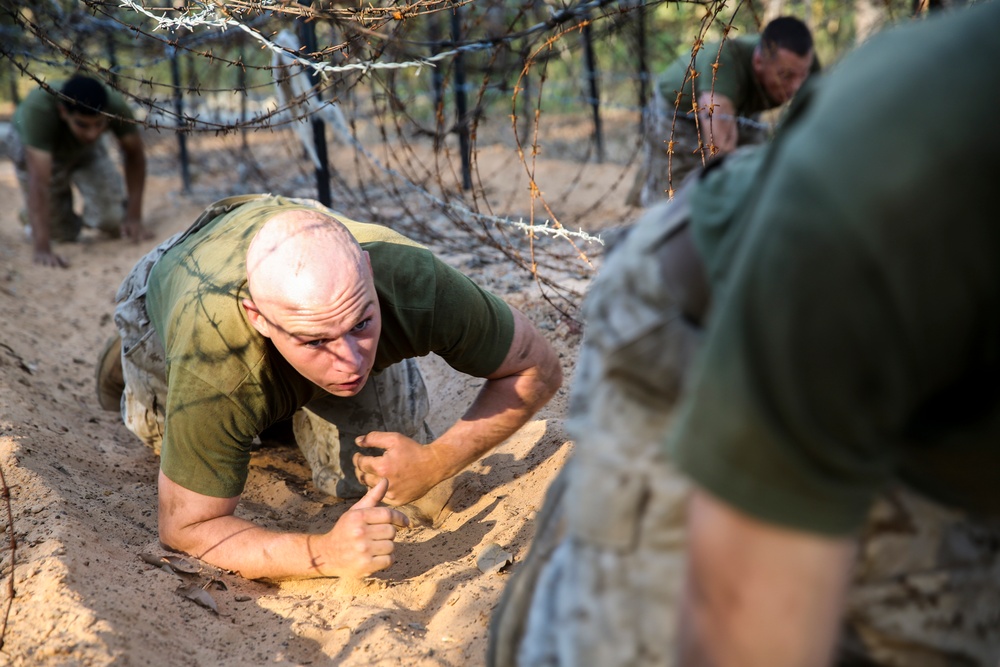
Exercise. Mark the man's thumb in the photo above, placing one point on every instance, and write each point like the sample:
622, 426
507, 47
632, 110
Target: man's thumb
374, 495
372, 439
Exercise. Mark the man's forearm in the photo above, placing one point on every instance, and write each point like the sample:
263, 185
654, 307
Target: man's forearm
251, 551
502, 407
135, 182
718, 134
527, 378
717, 124
360, 543
40, 216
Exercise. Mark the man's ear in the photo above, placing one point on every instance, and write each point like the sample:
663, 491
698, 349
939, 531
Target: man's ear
257, 321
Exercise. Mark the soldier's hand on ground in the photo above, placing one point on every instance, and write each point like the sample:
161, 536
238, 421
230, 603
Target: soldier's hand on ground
411, 468
49, 258
361, 542
135, 232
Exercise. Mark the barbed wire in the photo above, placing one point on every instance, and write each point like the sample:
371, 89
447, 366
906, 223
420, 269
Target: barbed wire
216, 16
373, 64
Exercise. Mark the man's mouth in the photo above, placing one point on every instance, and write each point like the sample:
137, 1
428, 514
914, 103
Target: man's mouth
351, 386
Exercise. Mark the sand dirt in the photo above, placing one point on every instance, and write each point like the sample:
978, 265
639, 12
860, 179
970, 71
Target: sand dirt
82, 548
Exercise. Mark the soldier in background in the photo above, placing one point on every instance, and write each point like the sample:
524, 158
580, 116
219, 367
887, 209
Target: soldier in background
56, 142
735, 81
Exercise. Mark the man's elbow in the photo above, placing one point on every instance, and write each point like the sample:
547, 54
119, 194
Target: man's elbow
550, 376
170, 538
177, 534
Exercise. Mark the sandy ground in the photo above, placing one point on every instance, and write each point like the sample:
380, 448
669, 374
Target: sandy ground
79, 549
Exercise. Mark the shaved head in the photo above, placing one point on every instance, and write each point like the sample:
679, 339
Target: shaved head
302, 260
313, 295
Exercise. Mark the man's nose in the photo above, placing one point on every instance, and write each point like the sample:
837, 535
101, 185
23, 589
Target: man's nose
348, 357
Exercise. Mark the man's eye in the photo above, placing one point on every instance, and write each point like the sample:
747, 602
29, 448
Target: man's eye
362, 325
319, 342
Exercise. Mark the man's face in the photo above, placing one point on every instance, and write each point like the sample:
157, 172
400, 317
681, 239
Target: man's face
87, 129
334, 346
781, 72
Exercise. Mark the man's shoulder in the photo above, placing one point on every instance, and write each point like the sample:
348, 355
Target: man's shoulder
37, 112
121, 113
368, 232
42, 95
407, 275
737, 55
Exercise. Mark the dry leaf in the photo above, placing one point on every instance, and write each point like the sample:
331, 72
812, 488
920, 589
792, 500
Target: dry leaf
492, 559
171, 563
217, 584
199, 595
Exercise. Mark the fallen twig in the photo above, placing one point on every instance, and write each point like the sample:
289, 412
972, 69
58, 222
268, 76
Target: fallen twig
5, 494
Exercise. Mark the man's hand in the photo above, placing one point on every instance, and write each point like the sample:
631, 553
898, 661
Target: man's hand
410, 468
135, 183
133, 230
528, 377
718, 124
361, 542
39, 211
49, 258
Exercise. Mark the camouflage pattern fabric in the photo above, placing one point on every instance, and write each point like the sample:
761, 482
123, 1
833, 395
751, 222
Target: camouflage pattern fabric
599, 587
926, 590
95, 176
395, 400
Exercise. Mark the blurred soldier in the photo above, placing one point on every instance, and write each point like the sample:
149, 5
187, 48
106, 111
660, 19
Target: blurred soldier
733, 82
56, 142
840, 430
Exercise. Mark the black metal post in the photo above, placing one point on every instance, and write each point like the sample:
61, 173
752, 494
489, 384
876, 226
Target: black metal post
112, 59
461, 106
595, 100
437, 84
175, 72
307, 35
15, 95
640, 39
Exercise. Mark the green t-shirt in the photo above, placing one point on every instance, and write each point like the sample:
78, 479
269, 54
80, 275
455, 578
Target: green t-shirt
227, 383
40, 126
855, 336
734, 79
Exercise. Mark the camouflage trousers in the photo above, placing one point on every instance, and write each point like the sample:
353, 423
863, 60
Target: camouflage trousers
661, 171
600, 586
94, 175
325, 429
